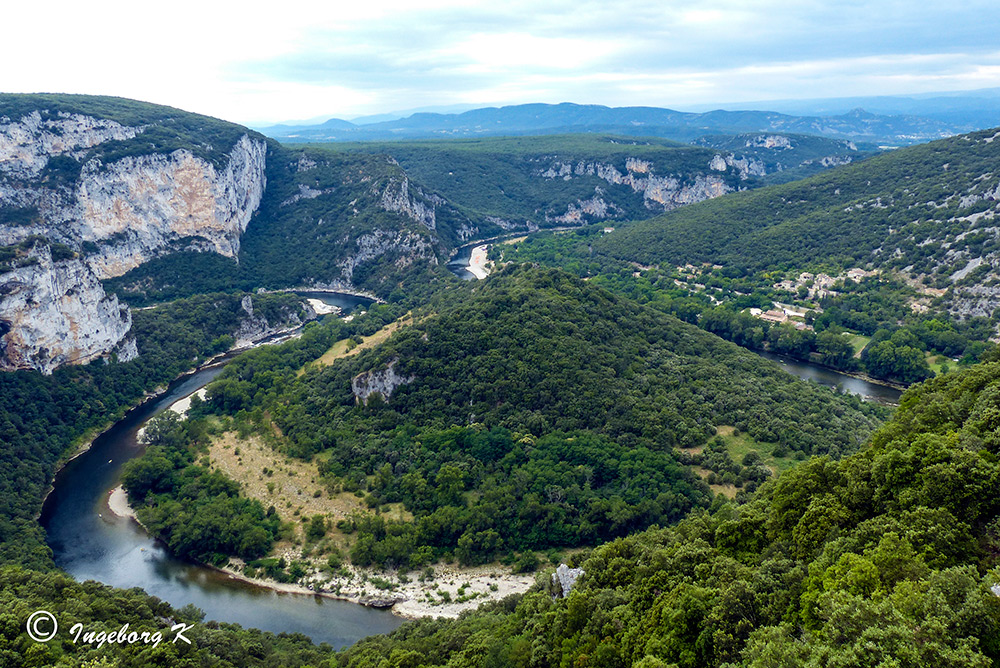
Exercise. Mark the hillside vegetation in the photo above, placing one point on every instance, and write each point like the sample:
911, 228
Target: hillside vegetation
543, 179
534, 412
926, 211
884, 558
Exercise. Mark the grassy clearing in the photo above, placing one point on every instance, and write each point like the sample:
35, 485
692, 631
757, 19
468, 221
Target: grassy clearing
349, 347
739, 445
291, 485
859, 342
938, 362
728, 491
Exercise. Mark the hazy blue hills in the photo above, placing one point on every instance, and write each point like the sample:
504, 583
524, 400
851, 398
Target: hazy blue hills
856, 124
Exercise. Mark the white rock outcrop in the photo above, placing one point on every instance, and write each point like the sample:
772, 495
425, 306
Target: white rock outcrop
564, 579
421, 209
662, 193
116, 216
382, 382
54, 313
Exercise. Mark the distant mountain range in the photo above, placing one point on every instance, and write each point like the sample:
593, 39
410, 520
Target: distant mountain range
967, 110
533, 119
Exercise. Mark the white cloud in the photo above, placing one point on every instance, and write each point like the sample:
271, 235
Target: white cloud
261, 61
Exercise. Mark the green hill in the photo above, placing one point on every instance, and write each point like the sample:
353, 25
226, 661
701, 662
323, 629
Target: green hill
884, 558
926, 211
534, 412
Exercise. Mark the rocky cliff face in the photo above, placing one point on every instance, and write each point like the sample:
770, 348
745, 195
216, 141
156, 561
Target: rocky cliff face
255, 327
660, 193
115, 215
54, 313
137, 208
382, 382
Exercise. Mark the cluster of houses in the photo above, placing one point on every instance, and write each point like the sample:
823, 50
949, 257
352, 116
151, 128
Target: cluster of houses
821, 285
783, 313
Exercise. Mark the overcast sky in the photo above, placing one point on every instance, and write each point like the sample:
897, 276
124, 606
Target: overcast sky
254, 62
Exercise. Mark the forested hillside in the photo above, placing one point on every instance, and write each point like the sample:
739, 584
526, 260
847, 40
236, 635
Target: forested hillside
568, 179
535, 412
926, 211
884, 558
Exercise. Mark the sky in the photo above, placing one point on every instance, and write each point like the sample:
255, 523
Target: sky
256, 63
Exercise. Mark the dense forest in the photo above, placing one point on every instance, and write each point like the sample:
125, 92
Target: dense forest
899, 327
883, 558
535, 412
41, 415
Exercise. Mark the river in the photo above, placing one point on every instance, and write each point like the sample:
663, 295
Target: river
91, 543
882, 394
459, 263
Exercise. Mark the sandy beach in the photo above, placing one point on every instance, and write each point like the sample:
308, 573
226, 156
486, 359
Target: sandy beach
478, 262
118, 503
451, 591
321, 307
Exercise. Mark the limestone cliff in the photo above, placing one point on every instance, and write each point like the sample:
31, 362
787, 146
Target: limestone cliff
382, 382
137, 208
76, 180
659, 192
55, 312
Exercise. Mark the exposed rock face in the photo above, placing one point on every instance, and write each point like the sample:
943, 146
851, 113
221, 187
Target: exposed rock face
660, 193
383, 382
27, 144
137, 207
254, 328
746, 167
54, 313
116, 215
405, 246
564, 578
397, 198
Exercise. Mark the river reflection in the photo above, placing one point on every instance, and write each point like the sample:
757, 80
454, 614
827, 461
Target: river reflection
90, 543
870, 391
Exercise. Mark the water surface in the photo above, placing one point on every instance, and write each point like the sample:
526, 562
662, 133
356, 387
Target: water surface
90, 543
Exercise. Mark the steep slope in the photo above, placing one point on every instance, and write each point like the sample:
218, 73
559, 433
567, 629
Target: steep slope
93, 187
884, 558
156, 203
327, 220
533, 182
926, 211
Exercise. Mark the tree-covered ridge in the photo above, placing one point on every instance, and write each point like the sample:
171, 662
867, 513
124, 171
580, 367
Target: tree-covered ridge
924, 210
41, 416
536, 350
537, 180
884, 558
